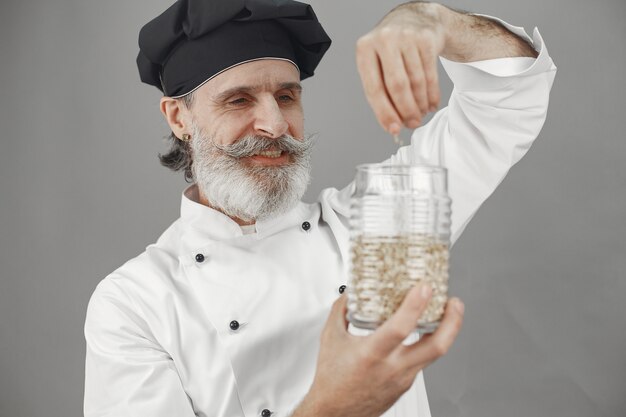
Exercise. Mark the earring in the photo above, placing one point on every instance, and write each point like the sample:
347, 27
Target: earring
186, 137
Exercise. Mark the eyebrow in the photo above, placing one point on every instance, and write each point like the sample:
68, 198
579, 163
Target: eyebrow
224, 95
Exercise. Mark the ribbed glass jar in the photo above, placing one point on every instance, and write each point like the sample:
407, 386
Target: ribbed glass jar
399, 236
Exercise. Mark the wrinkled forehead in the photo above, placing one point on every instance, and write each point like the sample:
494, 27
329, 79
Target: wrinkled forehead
264, 74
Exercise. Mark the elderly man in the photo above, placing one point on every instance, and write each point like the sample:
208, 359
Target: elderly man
236, 309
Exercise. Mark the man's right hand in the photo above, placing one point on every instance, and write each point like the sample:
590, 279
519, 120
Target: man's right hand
364, 376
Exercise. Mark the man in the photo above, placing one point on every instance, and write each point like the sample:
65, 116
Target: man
228, 313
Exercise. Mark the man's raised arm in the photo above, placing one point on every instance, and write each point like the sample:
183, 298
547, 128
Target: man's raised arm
397, 60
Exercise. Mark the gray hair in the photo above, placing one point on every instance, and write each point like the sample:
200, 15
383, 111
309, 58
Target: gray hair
179, 155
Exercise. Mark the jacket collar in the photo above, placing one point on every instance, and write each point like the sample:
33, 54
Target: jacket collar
202, 222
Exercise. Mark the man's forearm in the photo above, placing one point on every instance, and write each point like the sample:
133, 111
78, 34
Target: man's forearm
472, 38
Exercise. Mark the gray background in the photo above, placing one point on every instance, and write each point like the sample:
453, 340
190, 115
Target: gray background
541, 267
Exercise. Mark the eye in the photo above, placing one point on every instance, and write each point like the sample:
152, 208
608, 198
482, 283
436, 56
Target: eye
285, 98
238, 102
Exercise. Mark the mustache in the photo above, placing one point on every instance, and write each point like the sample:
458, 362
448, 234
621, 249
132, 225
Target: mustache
251, 145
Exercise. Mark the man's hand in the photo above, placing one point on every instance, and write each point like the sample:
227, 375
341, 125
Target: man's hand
397, 60
364, 376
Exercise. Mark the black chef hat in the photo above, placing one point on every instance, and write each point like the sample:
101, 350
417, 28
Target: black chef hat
194, 40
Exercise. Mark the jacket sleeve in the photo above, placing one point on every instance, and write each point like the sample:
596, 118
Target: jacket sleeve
495, 112
127, 373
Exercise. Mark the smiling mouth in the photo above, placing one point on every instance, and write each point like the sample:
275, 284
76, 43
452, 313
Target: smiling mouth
269, 154
270, 157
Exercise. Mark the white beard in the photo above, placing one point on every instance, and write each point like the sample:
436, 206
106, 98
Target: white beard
250, 192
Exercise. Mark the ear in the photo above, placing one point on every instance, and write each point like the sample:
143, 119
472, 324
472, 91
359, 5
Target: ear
177, 116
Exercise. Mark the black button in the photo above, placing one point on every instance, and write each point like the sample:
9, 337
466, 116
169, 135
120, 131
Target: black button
306, 226
199, 257
234, 325
266, 413
342, 288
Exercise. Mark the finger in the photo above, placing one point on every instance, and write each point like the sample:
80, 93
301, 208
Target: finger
371, 74
398, 86
432, 346
337, 318
431, 75
392, 333
414, 68
336, 323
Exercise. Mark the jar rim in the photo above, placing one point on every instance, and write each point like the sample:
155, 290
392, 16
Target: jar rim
397, 169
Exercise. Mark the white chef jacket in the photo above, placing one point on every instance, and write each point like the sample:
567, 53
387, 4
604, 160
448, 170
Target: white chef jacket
158, 329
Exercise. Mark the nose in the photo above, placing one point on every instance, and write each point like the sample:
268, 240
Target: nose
269, 120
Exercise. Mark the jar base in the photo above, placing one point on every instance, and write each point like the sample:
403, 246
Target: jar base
422, 328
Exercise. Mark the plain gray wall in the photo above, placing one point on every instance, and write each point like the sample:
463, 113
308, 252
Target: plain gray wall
541, 268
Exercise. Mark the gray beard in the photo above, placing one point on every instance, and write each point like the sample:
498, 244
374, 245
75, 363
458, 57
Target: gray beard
250, 192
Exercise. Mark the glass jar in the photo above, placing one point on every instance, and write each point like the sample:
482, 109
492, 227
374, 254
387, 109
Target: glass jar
399, 237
